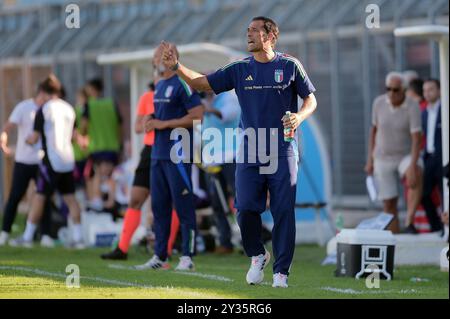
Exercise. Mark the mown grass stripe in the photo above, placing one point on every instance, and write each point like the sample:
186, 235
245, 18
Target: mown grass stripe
187, 273
60, 275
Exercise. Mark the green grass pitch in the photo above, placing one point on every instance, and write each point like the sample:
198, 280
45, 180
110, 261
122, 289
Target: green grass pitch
40, 273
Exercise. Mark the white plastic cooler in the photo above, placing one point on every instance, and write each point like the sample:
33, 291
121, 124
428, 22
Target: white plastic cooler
364, 251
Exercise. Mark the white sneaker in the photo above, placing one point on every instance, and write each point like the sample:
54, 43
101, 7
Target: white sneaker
280, 280
4, 238
20, 242
154, 263
78, 245
47, 242
255, 274
185, 264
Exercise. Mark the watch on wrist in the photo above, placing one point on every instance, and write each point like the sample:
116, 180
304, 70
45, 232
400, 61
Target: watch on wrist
176, 66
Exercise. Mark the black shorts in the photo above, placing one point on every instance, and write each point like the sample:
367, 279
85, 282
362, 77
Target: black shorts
105, 156
49, 181
96, 158
142, 172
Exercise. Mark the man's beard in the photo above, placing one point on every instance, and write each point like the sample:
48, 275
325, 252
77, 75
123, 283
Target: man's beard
253, 50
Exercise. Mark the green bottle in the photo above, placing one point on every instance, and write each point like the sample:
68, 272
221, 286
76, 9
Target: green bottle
339, 222
288, 132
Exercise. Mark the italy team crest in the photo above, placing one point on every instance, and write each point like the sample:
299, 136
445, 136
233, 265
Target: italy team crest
168, 92
278, 76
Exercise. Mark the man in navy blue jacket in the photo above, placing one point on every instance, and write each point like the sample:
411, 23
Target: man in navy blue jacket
431, 124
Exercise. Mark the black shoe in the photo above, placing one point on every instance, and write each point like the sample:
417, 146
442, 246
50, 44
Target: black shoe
411, 230
116, 254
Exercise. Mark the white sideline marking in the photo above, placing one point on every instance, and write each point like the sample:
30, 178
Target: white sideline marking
206, 276
59, 275
350, 291
115, 266
195, 274
342, 291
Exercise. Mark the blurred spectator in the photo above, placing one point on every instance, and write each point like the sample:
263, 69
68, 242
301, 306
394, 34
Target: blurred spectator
221, 112
415, 87
26, 161
415, 91
140, 189
53, 124
81, 142
433, 174
410, 75
394, 149
101, 121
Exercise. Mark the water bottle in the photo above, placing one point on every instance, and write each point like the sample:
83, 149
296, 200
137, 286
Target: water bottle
63, 236
339, 222
288, 132
200, 244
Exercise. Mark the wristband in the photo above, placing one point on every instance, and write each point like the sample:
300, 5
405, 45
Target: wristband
175, 67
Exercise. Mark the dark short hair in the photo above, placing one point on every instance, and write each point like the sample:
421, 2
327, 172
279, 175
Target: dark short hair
151, 86
416, 86
62, 93
435, 81
97, 84
50, 85
270, 26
